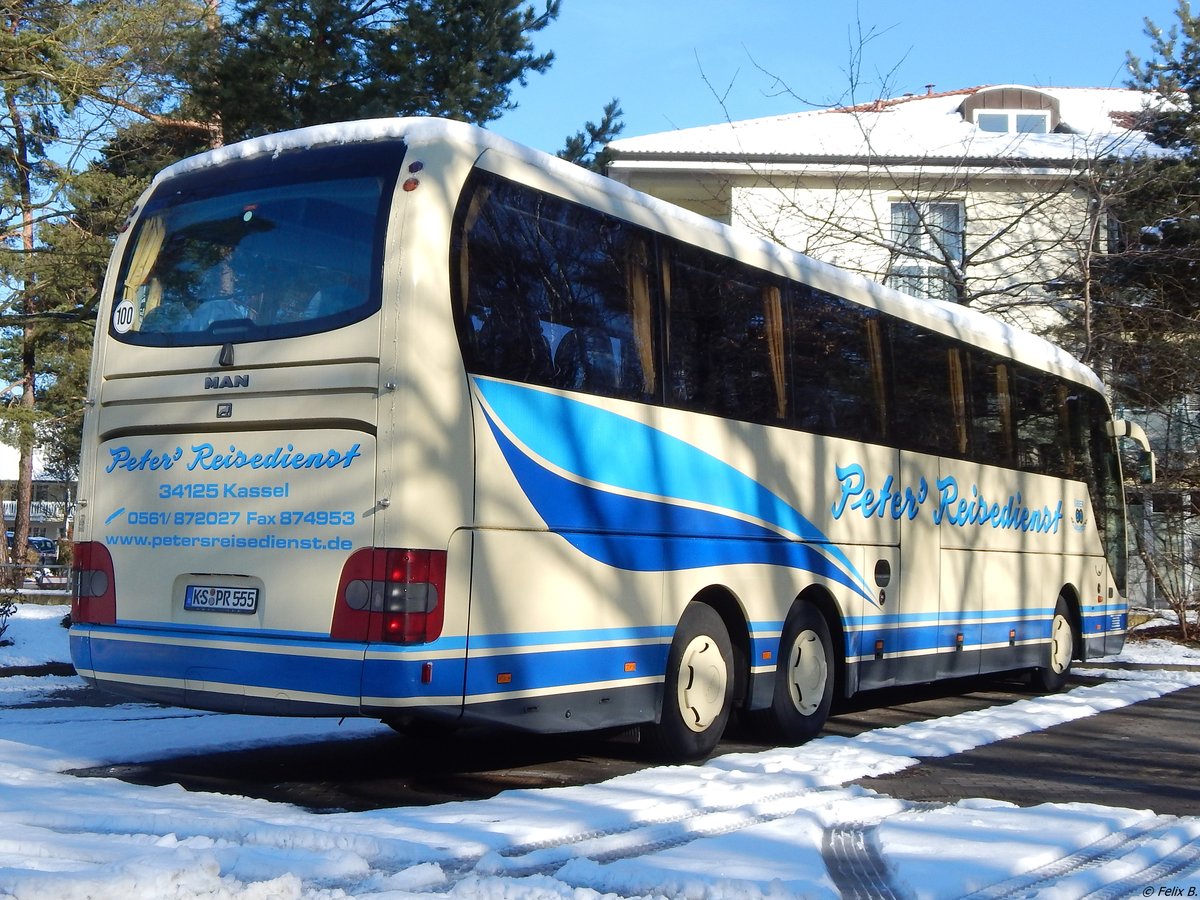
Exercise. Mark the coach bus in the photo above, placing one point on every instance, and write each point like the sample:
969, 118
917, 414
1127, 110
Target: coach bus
402, 420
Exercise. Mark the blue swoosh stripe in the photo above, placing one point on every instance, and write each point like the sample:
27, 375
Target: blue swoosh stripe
645, 535
607, 448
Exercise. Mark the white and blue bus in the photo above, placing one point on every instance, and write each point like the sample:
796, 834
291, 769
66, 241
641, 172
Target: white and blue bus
402, 420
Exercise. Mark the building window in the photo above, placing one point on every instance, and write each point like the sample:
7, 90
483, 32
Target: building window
1013, 121
929, 241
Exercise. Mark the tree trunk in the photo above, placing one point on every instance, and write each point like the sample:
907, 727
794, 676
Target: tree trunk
28, 357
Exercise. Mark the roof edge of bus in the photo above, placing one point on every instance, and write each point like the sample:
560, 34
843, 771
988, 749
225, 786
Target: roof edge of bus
352, 132
947, 317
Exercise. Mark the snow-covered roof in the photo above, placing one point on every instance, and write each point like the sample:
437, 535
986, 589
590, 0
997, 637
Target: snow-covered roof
353, 132
1090, 123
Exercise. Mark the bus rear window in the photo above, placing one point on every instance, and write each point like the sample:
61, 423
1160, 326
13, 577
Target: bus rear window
253, 258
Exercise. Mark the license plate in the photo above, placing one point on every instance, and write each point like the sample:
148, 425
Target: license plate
212, 598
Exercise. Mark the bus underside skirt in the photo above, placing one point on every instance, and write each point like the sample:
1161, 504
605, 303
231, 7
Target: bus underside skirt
584, 710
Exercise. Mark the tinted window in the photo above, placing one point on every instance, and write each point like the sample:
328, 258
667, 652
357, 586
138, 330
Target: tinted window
1040, 422
928, 403
260, 250
725, 344
550, 292
837, 357
554, 293
990, 406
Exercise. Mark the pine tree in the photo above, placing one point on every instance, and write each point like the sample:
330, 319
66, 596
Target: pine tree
588, 147
70, 71
277, 65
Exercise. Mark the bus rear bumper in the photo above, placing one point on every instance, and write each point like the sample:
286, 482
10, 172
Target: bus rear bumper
228, 673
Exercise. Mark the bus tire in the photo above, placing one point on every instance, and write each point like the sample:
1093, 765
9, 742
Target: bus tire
1059, 652
698, 689
804, 679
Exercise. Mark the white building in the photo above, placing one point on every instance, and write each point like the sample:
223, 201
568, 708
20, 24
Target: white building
981, 195
52, 504
984, 196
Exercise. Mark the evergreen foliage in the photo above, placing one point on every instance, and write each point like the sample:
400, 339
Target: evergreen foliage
279, 64
71, 72
98, 95
1147, 311
1145, 315
588, 147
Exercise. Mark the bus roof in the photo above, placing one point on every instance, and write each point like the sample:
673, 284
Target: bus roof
948, 318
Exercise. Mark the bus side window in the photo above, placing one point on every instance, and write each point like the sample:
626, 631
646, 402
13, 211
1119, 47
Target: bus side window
923, 370
725, 347
584, 360
510, 344
1040, 437
561, 291
834, 359
990, 405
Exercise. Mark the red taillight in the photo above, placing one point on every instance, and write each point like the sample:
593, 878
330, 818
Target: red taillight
391, 595
93, 587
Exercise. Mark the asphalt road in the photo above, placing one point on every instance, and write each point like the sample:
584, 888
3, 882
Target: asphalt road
1142, 756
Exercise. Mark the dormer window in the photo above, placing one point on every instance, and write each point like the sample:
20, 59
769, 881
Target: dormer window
1015, 121
1011, 109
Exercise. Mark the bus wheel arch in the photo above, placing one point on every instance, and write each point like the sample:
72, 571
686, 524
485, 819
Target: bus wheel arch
808, 670
1065, 643
1070, 596
699, 683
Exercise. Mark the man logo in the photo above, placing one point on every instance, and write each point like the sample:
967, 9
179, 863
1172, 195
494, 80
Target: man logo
218, 382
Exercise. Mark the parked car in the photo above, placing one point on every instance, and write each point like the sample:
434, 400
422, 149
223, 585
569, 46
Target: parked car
46, 548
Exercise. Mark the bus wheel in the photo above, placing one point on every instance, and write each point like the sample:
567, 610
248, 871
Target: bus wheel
1059, 652
803, 678
698, 689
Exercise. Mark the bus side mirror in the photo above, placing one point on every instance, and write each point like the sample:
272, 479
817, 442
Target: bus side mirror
1123, 428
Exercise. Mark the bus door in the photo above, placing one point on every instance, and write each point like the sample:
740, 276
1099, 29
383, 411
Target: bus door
881, 639
963, 579
916, 614
900, 619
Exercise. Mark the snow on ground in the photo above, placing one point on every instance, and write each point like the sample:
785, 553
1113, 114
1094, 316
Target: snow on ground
749, 825
33, 638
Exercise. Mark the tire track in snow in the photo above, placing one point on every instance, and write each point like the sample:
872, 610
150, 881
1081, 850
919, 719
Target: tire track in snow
851, 855
1109, 848
856, 865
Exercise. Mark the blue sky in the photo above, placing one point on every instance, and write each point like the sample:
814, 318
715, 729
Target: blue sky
680, 63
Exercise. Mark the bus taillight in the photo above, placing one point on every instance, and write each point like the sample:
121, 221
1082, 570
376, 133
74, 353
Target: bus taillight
400, 590
93, 588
